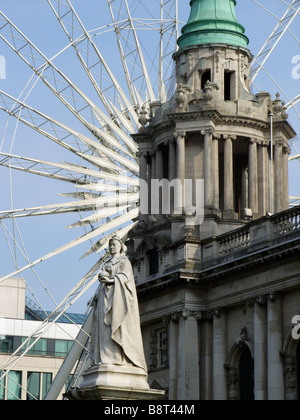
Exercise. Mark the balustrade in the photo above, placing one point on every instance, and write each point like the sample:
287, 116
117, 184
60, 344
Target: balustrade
284, 224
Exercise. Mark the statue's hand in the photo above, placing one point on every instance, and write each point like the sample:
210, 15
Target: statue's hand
104, 278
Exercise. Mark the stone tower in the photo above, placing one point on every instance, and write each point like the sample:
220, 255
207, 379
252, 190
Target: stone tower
212, 159
215, 130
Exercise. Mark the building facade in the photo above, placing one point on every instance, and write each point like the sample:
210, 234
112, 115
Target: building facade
31, 377
216, 250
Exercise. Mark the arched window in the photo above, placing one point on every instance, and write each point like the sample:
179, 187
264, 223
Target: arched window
298, 370
246, 376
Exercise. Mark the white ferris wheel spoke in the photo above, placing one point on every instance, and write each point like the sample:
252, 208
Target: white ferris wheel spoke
269, 46
90, 56
114, 201
42, 168
131, 52
293, 102
64, 135
64, 89
101, 245
295, 157
64, 171
110, 182
70, 95
118, 221
81, 287
106, 212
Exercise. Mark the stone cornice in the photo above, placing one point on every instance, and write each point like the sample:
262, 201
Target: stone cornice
210, 276
216, 117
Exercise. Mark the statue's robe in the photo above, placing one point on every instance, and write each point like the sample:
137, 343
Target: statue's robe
116, 334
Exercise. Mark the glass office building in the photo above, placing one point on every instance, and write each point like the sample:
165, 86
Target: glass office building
31, 377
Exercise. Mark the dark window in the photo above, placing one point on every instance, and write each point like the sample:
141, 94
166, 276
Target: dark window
47, 381
14, 383
227, 86
162, 348
6, 344
153, 261
33, 385
246, 376
206, 77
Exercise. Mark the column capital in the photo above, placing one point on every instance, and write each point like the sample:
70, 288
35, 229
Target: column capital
215, 313
259, 300
184, 313
174, 316
187, 313
273, 296
216, 136
155, 149
142, 154
253, 140
169, 141
229, 136
279, 142
286, 149
265, 143
179, 133
209, 131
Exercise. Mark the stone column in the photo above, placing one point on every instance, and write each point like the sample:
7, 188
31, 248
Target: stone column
206, 357
172, 160
172, 170
285, 177
278, 159
260, 349
152, 175
263, 188
173, 354
159, 172
144, 186
180, 169
275, 343
215, 170
228, 175
253, 187
153, 164
188, 386
245, 189
207, 164
219, 355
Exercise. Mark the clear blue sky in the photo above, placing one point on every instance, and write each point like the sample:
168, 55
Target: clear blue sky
42, 235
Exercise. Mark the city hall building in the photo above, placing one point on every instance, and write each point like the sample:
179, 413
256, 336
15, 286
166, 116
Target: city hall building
218, 291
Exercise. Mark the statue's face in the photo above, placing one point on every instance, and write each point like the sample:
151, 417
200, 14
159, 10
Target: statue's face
114, 247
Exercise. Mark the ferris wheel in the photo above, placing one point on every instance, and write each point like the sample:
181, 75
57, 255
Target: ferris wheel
67, 121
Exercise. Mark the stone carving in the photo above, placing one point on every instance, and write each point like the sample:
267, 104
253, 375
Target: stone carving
209, 91
116, 335
242, 338
182, 97
143, 119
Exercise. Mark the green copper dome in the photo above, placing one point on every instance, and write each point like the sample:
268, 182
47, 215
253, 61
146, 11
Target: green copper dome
213, 22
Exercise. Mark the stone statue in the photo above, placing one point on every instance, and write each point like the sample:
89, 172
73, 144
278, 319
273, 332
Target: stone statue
116, 334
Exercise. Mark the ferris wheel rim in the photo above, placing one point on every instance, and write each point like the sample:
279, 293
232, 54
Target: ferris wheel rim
93, 34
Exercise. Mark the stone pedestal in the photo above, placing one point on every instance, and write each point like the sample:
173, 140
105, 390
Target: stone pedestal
112, 382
